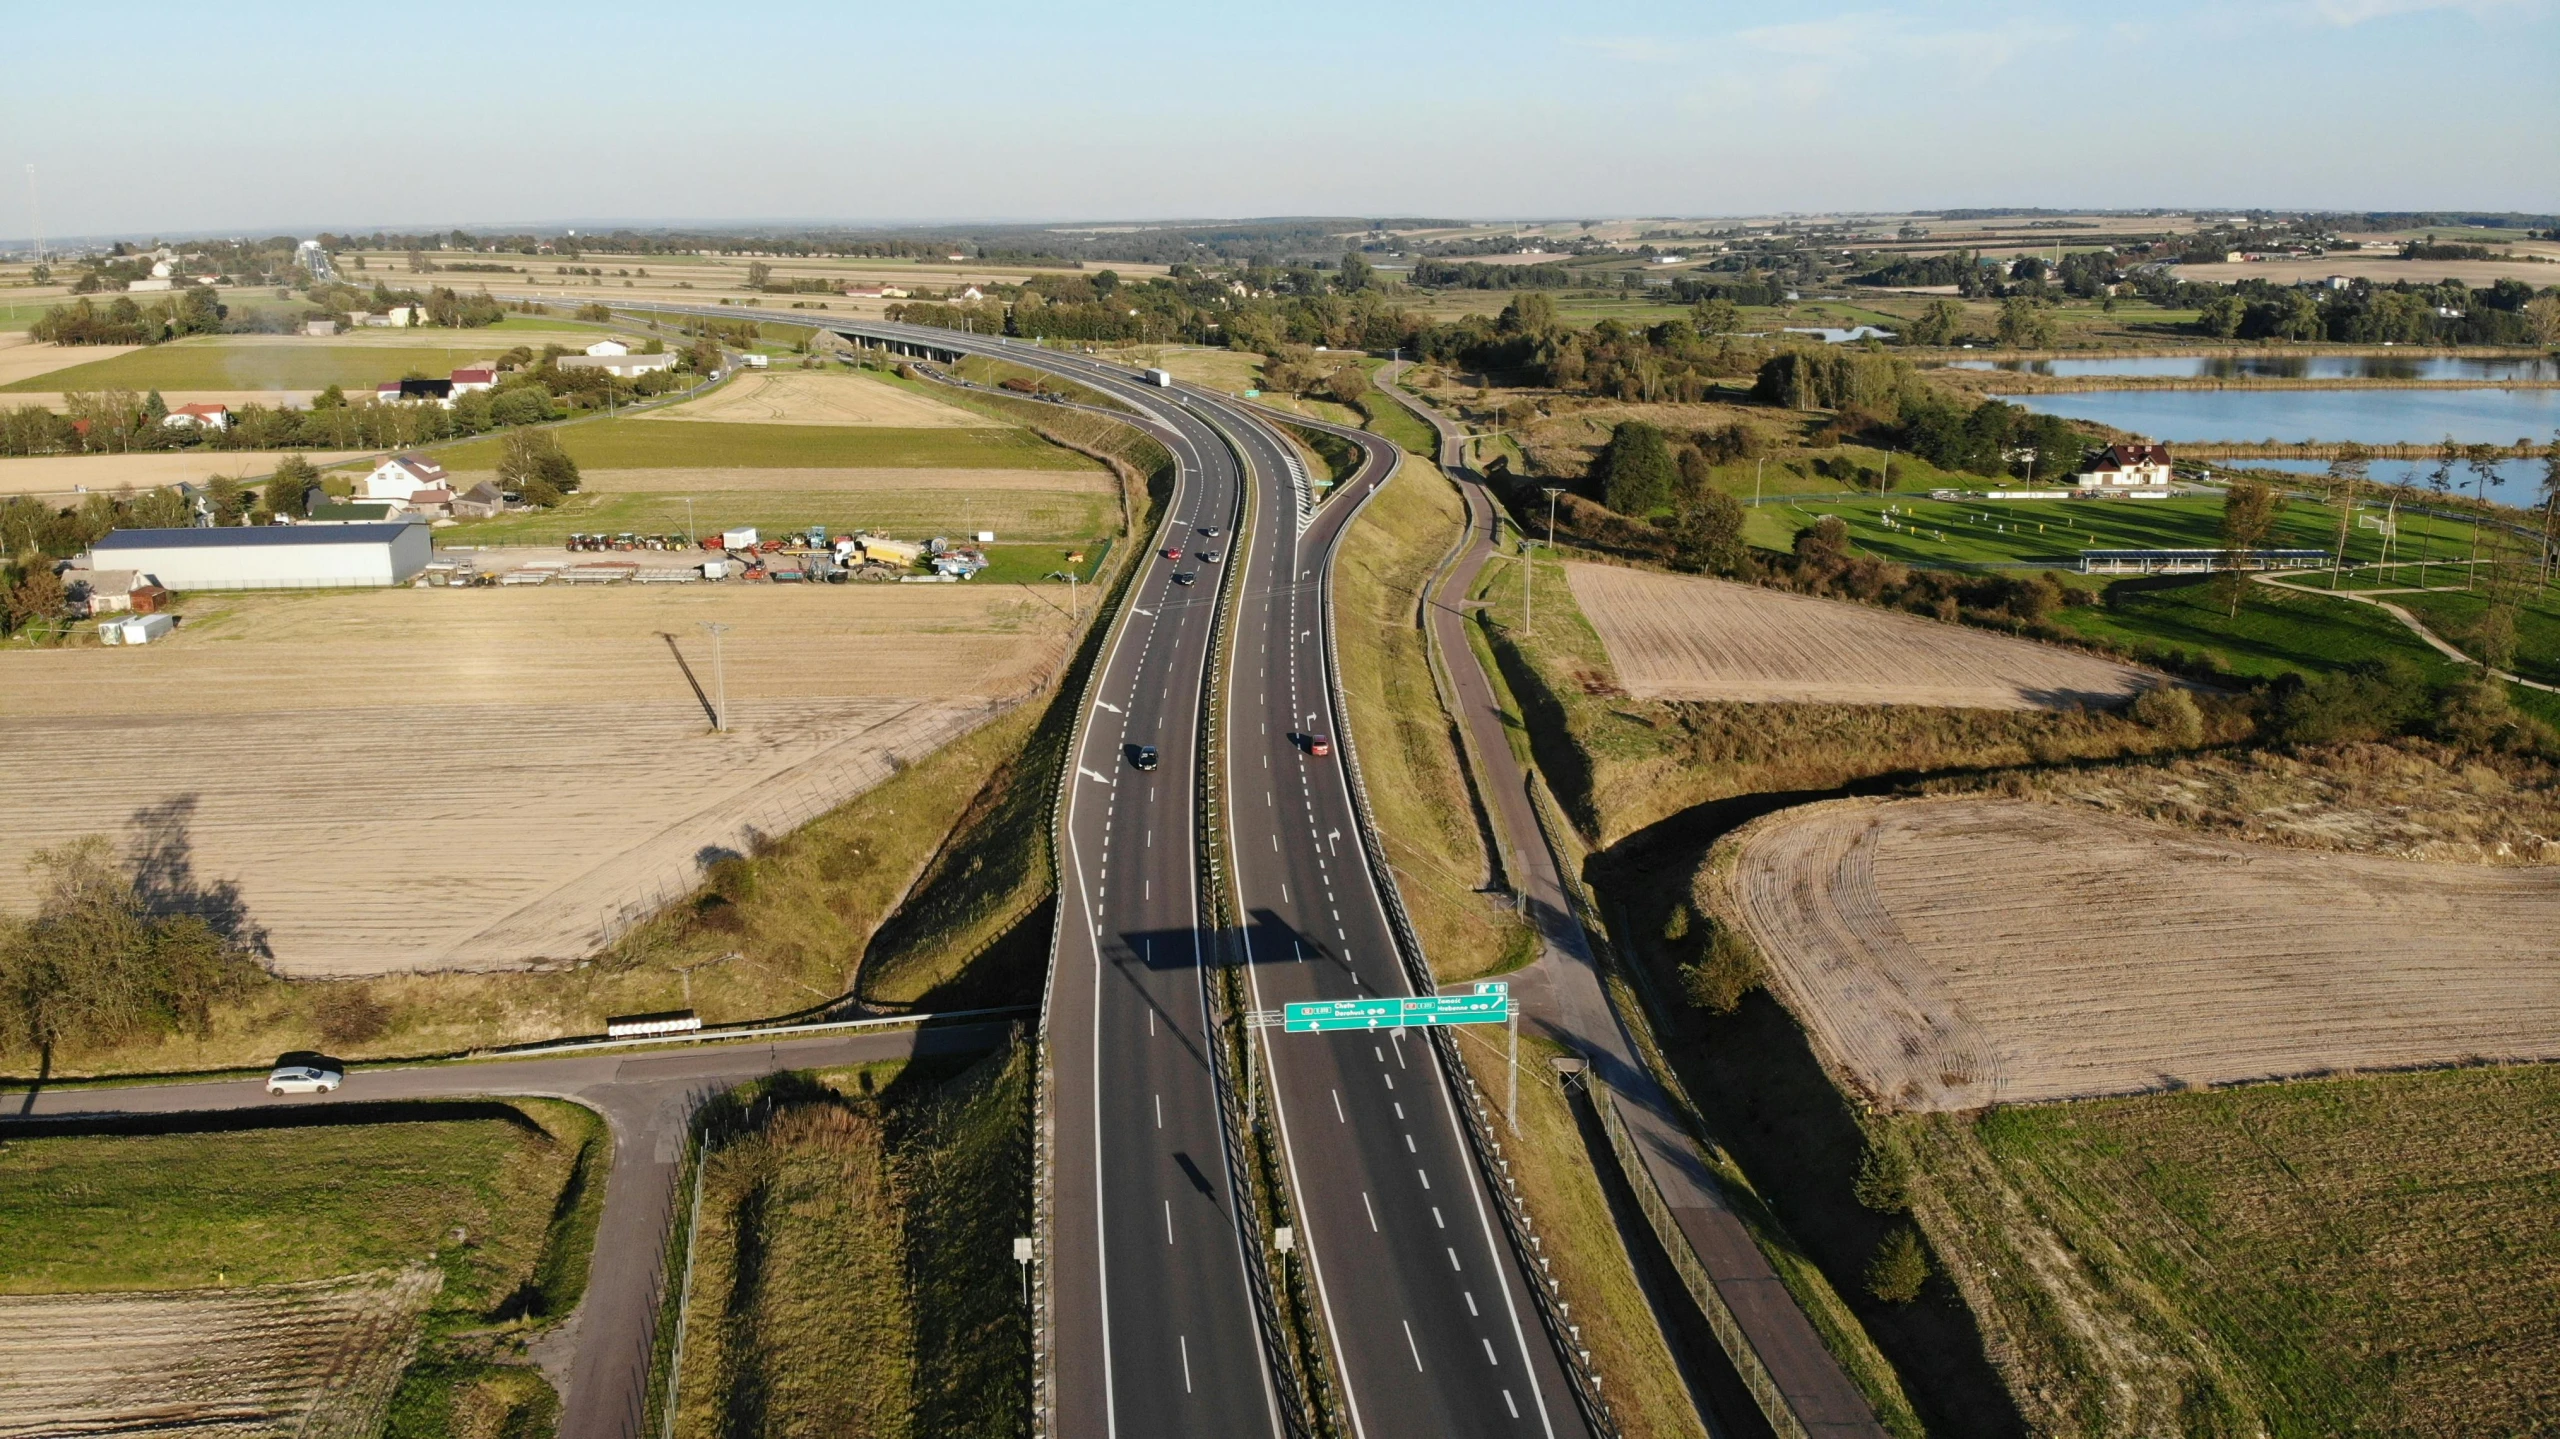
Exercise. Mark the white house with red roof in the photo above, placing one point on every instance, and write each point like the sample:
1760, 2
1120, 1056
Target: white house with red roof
402, 476
2127, 467
479, 379
202, 417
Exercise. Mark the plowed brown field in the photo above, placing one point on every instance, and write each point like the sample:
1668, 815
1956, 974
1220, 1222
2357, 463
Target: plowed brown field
484, 779
317, 1360
1676, 637
800, 397
1951, 954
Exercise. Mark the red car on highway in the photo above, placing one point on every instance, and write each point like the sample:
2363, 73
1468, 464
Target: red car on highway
1174, 554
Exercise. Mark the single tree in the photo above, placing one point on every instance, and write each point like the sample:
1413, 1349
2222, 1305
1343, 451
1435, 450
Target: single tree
289, 488
2482, 461
37, 596
1900, 1269
1636, 473
758, 272
1716, 317
1937, 325
1707, 535
1356, 274
532, 464
2440, 480
2026, 323
2248, 512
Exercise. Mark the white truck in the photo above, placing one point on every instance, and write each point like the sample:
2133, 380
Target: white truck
1161, 379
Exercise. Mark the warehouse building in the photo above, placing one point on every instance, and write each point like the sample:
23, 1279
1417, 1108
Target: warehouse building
269, 557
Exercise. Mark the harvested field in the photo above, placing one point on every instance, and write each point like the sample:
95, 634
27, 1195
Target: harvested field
315, 1359
66, 475
798, 397
1683, 638
850, 481
485, 779
295, 399
1950, 954
24, 359
631, 443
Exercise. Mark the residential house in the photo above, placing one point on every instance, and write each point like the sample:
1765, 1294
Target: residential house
610, 347
401, 476
320, 329
481, 502
2125, 467
478, 379
353, 512
199, 416
970, 292
436, 502
103, 592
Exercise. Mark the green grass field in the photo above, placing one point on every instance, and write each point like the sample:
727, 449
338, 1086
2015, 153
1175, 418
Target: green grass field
621, 444
1069, 518
270, 1206
2347, 1256
280, 363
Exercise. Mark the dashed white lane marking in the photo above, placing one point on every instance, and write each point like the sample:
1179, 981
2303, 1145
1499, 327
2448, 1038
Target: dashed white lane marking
1160, 1108
1409, 1344
1186, 1372
1373, 1211
1489, 1357
1436, 1219
1472, 1311
1338, 1116
1408, 1145
1453, 1259
1168, 1221
1507, 1404
1426, 1178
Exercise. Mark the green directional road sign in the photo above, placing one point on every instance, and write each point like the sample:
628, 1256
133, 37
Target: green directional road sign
1490, 1004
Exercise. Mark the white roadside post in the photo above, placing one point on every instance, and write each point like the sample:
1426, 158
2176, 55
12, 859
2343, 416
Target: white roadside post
1022, 1256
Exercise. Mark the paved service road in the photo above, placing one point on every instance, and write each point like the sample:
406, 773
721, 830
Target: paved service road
647, 1097
1561, 993
1431, 1321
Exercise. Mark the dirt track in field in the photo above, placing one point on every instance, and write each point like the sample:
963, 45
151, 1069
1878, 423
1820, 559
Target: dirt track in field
485, 779
1948, 954
317, 1360
1675, 637
799, 397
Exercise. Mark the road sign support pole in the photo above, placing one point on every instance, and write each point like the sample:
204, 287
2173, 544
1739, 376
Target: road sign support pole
1514, 1104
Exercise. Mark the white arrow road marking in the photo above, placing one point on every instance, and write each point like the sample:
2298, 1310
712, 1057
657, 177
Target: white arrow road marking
1108, 705
1089, 774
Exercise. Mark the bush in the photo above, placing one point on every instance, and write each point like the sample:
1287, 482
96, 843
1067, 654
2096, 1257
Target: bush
1729, 969
350, 1014
1884, 1178
2170, 712
1900, 1269
95, 966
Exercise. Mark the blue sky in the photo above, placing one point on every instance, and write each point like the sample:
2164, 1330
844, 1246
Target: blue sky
285, 119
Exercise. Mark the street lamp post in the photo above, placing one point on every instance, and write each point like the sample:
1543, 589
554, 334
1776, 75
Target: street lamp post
1529, 564
719, 678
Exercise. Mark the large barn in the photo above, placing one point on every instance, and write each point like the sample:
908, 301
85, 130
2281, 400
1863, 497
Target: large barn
270, 557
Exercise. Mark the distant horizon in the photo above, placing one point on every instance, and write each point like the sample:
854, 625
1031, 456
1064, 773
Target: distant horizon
786, 226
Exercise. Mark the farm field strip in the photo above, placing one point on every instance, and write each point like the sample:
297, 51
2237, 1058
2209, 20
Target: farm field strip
639, 443
317, 1359
1952, 954
799, 397
1684, 638
22, 360
273, 364
67, 475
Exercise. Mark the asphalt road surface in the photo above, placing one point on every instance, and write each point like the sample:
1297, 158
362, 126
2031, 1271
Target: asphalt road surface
647, 1099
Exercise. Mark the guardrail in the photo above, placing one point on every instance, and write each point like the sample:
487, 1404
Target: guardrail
1310, 1398
1518, 1225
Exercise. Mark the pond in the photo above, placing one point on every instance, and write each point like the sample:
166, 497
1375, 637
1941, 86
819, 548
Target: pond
2370, 417
2413, 366
2517, 482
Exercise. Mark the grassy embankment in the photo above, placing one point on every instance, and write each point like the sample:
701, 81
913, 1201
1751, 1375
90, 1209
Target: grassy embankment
853, 1270
1410, 767
501, 1199
2339, 1256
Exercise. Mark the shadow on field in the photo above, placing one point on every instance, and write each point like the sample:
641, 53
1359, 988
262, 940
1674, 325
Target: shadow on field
286, 1114
160, 855
1768, 1101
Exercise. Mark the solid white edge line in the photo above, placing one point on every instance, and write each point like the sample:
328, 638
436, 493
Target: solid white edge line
1484, 1217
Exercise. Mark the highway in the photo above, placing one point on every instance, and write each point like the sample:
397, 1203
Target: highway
1432, 1326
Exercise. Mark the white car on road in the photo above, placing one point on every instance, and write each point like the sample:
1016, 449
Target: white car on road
303, 1079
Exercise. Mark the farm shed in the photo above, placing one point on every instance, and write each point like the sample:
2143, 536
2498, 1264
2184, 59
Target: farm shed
270, 557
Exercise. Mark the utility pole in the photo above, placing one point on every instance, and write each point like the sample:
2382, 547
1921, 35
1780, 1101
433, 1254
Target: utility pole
1757, 466
35, 216
719, 679
1529, 564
